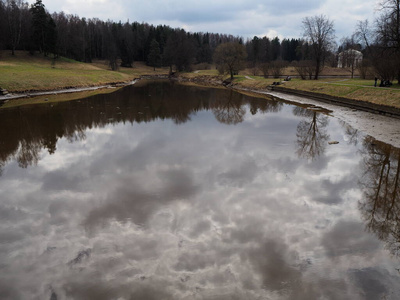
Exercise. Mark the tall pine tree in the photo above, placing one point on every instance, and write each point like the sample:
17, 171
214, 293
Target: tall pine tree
39, 25
44, 31
154, 54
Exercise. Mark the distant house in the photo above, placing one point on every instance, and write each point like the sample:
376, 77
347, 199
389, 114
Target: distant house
349, 58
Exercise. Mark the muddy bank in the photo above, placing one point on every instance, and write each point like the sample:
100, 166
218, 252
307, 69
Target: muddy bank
34, 93
356, 104
380, 126
379, 121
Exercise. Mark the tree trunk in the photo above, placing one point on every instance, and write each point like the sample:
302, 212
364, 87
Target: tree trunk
398, 77
317, 70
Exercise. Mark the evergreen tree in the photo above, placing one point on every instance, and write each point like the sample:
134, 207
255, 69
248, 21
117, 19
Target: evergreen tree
154, 56
39, 26
2, 24
275, 48
51, 37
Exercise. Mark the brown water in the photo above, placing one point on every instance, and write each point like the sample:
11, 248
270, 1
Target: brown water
165, 191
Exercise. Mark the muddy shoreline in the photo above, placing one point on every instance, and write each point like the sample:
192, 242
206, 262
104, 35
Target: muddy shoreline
356, 104
72, 89
381, 127
66, 90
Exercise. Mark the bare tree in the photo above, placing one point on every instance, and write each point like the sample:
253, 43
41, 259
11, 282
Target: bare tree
382, 43
388, 31
388, 25
229, 109
350, 56
311, 133
305, 68
380, 205
265, 69
364, 34
277, 67
230, 58
14, 22
320, 33
364, 69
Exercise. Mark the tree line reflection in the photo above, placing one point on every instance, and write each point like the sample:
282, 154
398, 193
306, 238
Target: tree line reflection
26, 130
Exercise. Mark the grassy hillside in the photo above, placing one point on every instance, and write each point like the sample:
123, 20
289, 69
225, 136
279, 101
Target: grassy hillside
24, 72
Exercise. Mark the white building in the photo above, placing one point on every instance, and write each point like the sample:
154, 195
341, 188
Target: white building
349, 58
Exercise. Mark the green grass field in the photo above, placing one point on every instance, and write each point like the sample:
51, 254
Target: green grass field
24, 72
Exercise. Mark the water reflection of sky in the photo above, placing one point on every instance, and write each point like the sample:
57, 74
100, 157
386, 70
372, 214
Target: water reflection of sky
194, 210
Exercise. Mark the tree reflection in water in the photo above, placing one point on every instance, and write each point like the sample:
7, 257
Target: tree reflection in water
27, 130
311, 133
380, 206
352, 135
229, 109
182, 221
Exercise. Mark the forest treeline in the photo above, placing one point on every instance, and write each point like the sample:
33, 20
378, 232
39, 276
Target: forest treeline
32, 28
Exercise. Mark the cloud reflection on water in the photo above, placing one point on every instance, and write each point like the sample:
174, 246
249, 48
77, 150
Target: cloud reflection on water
162, 209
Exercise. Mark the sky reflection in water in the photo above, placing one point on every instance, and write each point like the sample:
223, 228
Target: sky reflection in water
165, 191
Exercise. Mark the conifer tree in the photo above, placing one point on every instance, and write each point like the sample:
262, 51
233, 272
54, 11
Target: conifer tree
154, 54
39, 25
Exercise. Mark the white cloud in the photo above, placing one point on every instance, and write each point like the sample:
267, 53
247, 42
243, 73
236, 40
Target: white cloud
245, 18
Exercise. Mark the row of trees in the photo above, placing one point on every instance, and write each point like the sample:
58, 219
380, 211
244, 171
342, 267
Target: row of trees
27, 27
380, 45
34, 29
381, 42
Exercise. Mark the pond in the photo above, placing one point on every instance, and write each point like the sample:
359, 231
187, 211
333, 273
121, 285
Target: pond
168, 191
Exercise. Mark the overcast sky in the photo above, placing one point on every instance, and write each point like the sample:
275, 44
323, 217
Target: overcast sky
246, 18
